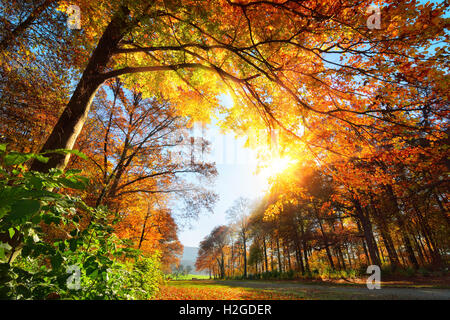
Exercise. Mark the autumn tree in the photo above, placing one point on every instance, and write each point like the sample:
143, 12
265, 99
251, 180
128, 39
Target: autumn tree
139, 156
254, 49
238, 217
36, 62
151, 228
361, 111
140, 146
212, 251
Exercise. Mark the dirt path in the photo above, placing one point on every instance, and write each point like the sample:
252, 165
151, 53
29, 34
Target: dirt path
342, 292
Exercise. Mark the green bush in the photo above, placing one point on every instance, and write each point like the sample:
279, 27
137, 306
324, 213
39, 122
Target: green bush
34, 268
406, 272
288, 275
292, 275
424, 272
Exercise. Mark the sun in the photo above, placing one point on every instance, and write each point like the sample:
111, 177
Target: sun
278, 165
275, 166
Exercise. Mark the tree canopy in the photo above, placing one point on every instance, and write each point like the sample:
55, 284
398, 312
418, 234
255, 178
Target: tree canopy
349, 118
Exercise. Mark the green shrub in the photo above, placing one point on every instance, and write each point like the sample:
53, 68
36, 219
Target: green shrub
34, 268
288, 275
424, 272
406, 272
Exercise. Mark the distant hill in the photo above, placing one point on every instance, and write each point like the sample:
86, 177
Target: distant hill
189, 257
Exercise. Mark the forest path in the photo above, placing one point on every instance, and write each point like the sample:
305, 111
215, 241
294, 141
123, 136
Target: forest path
331, 291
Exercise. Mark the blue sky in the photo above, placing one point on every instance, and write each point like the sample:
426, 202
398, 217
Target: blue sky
232, 182
236, 167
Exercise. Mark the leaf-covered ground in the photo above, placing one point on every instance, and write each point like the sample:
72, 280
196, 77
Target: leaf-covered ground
210, 290
288, 290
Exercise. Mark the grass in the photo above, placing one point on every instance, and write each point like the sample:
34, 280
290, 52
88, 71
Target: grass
189, 277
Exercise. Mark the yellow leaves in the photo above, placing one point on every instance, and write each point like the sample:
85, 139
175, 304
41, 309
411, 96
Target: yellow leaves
273, 211
63, 6
395, 33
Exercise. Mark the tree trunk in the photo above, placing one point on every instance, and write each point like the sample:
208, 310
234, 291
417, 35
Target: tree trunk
443, 211
341, 256
402, 226
265, 253
385, 235
426, 231
299, 257
280, 266
271, 255
298, 249
244, 240
325, 239
363, 241
286, 251
141, 239
69, 125
368, 234
305, 247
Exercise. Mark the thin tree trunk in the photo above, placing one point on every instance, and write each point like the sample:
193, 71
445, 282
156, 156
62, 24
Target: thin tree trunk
265, 253
443, 212
402, 226
244, 240
368, 234
341, 256
363, 241
327, 247
286, 251
426, 231
305, 247
141, 239
271, 255
385, 235
298, 249
280, 266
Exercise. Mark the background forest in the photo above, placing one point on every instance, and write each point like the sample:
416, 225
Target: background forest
349, 117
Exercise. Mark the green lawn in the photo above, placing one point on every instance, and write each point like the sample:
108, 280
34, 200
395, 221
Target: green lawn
189, 277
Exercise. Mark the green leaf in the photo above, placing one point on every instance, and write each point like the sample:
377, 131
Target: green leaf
92, 272
36, 219
2, 254
26, 250
72, 183
73, 244
56, 261
41, 158
89, 261
23, 209
14, 158
71, 172
11, 232
61, 246
24, 291
66, 151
